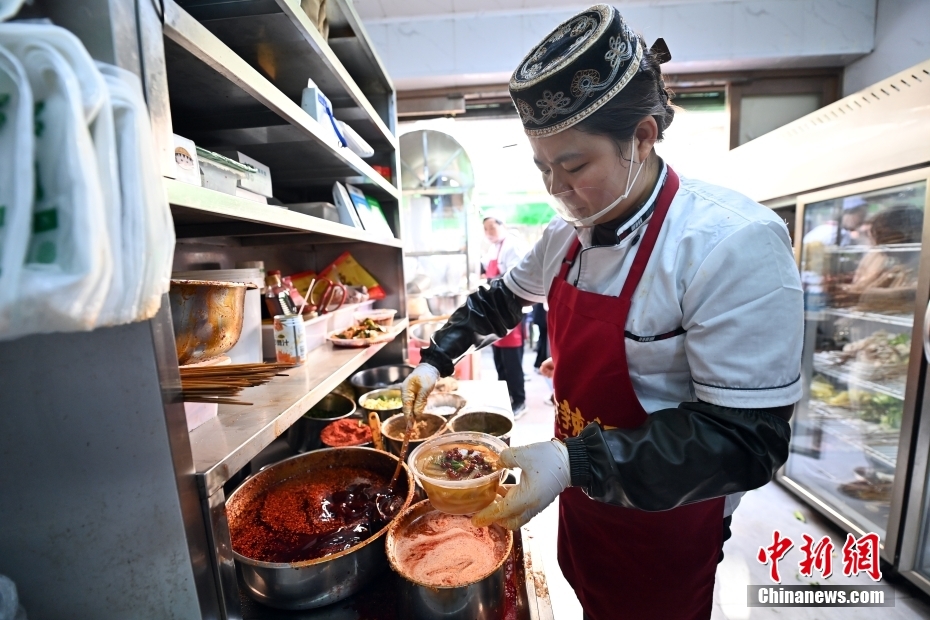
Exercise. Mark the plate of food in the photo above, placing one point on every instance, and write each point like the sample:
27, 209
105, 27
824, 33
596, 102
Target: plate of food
362, 334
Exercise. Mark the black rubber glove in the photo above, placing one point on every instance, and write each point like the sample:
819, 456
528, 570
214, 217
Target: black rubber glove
678, 456
488, 314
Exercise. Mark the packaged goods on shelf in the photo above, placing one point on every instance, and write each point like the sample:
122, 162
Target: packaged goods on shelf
370, 213
257, 181
323, 210
346, 269
318, 106
355, 142
186, 164
348, 214
221, 173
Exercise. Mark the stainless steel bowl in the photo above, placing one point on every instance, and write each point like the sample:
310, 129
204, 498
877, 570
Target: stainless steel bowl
436, 400
392, 430
445, 304
383, 414
207, 317
304, 434
493, 423
480, 600
422, 332
315, 583
378, 378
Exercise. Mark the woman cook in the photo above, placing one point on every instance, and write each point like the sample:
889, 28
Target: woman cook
675, 318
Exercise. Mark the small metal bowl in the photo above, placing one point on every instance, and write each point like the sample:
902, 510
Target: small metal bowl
441, 305
393, 432
493, 423
383, 414
304, 434
379, 378
445, 401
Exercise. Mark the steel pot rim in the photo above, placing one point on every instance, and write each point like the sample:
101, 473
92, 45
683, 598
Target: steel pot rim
217, 283
411, 488
423, 506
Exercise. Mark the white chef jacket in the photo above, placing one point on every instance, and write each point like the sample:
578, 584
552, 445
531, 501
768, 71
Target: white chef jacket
723, 270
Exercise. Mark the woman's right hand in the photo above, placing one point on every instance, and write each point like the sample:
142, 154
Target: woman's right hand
416, 388
547, 368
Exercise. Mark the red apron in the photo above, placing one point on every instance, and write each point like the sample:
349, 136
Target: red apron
622, 562
515, 337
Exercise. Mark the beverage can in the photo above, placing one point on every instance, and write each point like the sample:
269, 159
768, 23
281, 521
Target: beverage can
290, 339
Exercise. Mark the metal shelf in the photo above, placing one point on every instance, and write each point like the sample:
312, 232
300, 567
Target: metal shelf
223, 445
888, 319
201, 212
221, 102
862, 249
849, 379
278, 39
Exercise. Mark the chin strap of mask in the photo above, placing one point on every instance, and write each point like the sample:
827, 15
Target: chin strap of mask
589, 221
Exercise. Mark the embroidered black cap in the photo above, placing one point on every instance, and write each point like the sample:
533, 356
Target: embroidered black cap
575, 70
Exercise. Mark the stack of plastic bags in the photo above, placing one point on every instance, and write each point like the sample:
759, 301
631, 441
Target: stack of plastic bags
86, 237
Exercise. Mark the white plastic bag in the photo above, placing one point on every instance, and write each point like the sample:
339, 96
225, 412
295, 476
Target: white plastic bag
9, 8
16, 178
95, 101
142, 186
67, 272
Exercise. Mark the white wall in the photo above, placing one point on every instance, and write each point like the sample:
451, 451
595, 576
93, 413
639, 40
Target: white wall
902, 39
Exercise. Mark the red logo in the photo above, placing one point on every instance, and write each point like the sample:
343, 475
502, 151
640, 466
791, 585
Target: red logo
779, 548
861, 556
819, 556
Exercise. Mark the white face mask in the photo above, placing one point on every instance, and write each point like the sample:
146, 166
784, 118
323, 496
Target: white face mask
574, 204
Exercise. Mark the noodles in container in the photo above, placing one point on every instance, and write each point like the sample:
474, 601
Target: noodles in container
460, 472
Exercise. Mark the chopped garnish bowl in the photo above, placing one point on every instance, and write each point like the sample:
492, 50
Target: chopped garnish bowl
458, 497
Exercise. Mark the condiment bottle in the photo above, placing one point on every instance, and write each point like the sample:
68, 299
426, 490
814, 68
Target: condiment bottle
295, 295
277, 299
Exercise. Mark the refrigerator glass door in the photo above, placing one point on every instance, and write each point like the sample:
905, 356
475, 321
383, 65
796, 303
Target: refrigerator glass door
859, 260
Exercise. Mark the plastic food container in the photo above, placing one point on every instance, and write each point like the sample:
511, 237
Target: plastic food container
383, 317
459, 497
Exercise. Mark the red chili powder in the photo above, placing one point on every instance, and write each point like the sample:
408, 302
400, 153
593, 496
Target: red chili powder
311, 516
347, 432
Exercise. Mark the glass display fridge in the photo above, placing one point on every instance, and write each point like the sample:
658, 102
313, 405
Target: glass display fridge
855, 432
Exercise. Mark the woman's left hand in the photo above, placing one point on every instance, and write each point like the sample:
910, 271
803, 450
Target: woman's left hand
545, 474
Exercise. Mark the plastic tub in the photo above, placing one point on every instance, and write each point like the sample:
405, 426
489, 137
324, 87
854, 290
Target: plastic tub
345, 316
459, 497
383, 317
316, 335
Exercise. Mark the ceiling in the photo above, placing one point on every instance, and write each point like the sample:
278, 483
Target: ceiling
433, 44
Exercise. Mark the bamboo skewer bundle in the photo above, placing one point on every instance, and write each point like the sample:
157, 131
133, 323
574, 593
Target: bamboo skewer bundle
218, 384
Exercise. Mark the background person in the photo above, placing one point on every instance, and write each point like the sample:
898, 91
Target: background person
505, 253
